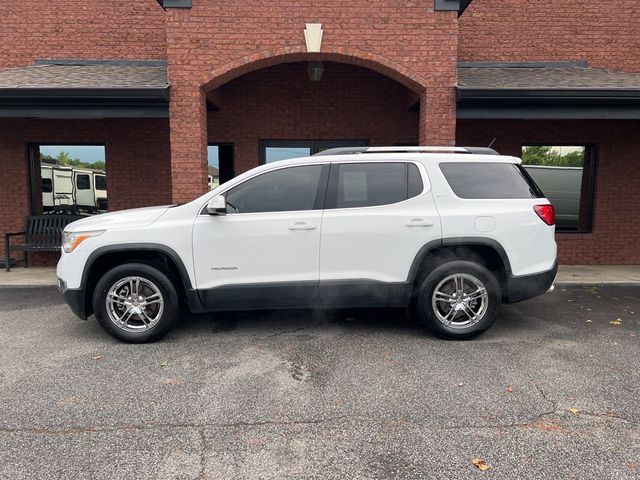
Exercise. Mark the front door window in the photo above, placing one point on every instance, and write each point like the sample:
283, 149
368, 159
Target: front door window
284, 190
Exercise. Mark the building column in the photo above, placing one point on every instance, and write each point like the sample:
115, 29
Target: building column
438, 116
188, 124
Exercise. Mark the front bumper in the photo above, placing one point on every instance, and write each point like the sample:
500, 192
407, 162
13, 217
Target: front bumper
75, 298
529, 286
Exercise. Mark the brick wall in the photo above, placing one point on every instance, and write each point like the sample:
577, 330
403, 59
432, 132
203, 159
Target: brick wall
615, 238
280, 102
406, 40
604, 33
137, 157
86, 29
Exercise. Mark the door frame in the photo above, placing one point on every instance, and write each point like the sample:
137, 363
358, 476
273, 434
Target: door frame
233, 157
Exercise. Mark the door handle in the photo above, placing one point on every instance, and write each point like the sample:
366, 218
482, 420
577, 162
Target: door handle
298, 226
419, 222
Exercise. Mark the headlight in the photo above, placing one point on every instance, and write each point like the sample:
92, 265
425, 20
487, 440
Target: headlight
70, 240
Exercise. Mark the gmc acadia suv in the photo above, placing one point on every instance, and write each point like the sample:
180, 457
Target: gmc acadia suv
450, 232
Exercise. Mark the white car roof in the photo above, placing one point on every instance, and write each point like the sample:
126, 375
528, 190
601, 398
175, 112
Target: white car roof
422, 157
382, 156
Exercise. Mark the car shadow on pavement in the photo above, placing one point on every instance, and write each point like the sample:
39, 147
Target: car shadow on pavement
273, 321
568, 312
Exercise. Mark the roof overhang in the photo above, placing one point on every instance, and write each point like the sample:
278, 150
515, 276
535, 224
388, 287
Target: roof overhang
549, 104
544, 91
85, 89
84, 104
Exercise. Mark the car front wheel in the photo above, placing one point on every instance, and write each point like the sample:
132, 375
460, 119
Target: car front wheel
136, 303
458, 300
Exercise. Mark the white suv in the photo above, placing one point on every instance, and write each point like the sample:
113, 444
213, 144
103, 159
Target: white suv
450, 232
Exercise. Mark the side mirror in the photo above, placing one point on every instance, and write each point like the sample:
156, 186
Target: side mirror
217, 206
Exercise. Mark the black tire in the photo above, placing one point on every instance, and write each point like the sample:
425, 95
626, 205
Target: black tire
166, 319
427, 315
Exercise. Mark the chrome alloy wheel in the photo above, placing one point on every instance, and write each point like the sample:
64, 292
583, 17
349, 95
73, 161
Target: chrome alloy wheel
460, 300
134, 304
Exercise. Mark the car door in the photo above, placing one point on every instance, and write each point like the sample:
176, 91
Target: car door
264, 253
377, 216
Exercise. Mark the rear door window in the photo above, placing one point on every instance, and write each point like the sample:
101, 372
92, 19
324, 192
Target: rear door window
489, 180
372, 184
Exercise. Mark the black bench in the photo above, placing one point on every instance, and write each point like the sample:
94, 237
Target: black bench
43, 234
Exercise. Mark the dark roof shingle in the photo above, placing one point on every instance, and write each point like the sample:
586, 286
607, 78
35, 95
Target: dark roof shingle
545, 78
84, 77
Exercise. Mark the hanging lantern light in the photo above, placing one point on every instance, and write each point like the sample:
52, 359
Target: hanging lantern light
315, 70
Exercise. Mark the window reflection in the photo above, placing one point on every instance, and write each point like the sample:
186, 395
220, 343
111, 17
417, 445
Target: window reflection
564, 174
73, 179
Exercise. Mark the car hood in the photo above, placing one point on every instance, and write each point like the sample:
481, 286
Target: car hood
124, 218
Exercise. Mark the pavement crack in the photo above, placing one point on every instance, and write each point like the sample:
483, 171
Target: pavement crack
557, 411
553, 403
608, 415
284, 332
531, 422
58, 430
277, 422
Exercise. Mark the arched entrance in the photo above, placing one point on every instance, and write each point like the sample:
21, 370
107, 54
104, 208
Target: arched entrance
241, 108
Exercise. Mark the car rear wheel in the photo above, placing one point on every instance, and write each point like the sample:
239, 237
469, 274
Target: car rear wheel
136, 303
458, 300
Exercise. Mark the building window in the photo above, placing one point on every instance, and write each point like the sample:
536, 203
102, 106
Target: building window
566, 176
276, 150
73, 179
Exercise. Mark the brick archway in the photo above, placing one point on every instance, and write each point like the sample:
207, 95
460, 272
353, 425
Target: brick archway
268, 58
188, 113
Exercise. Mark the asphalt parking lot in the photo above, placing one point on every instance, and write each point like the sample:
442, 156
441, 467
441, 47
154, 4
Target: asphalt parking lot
550, 392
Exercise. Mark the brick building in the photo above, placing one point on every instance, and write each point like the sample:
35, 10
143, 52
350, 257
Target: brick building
160, 84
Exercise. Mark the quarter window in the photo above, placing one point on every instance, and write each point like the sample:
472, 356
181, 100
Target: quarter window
488, 180
373, 184
285, 190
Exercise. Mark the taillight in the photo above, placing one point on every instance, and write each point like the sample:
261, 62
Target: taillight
547, 213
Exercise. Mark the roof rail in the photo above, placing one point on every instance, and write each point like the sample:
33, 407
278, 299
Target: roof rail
355, 150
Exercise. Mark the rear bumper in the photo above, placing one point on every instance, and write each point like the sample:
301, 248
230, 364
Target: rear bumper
75, 298
529, 286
